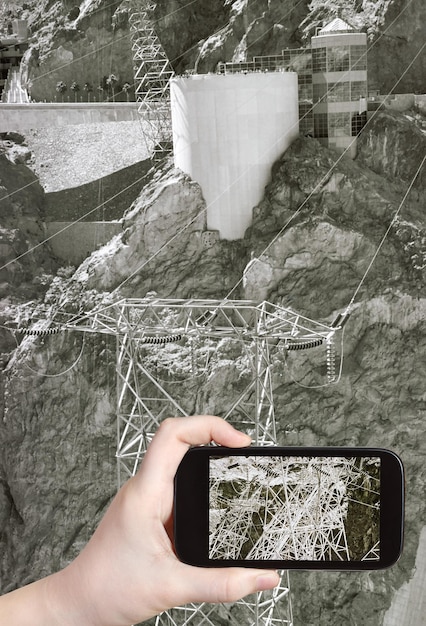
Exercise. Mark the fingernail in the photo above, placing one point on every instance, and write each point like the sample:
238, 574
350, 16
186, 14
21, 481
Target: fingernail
248, 439
269, 580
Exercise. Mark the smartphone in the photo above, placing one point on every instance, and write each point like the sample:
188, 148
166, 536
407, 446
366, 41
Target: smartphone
289, 508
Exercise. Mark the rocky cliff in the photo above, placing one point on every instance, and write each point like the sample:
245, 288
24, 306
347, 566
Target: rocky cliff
245, 28
22, 205
313, 237
81, 46
85, 43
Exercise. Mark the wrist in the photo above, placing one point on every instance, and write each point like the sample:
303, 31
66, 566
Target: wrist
67, 599
50, 601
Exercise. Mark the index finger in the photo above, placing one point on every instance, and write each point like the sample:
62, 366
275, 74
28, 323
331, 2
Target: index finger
176, 435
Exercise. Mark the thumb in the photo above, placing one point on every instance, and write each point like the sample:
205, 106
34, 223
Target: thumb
228, 584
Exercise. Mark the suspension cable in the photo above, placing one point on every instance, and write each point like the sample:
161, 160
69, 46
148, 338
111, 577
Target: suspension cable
382, 241
205, 209
202, 211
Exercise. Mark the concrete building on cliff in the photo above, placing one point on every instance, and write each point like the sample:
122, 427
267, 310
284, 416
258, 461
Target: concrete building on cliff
332, 78
230, 127
339, 85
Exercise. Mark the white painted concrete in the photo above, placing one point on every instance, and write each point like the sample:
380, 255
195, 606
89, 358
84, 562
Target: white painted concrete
326, 39
227, 132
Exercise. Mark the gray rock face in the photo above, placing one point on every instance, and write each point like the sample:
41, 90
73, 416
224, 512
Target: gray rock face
389, 135
22, 204
83, 48
324, 222
311, 242
161, 247
315, 264
89, 46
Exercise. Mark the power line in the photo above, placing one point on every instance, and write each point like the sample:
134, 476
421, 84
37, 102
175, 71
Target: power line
361, 282
115, 41
243, 174
382, 241
99, 49
81, 218
220, 194
349, 307
327, 174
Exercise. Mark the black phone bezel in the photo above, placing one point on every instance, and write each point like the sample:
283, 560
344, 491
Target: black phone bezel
191, 507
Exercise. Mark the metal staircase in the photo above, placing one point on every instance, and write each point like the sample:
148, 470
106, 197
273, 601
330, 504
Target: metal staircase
152, 74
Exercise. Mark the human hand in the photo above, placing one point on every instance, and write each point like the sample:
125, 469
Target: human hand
128, 572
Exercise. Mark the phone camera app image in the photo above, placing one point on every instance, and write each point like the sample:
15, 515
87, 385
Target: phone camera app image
294, 508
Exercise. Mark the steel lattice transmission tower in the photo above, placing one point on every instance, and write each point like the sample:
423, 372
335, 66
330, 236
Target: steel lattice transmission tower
169, 353
292, 508
152, 74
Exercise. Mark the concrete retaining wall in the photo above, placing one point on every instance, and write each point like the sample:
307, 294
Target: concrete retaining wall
20, 117
73, 242
112, 194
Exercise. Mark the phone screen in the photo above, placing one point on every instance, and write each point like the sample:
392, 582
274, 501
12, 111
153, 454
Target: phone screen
294, 508
336, 508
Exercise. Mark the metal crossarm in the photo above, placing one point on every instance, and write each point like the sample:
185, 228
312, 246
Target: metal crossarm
168, 352
245, 319
147, 393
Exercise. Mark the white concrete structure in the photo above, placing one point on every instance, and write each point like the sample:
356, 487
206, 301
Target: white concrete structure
227, 132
